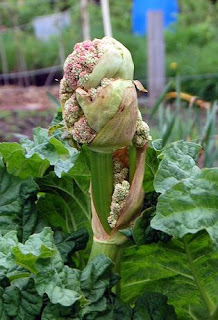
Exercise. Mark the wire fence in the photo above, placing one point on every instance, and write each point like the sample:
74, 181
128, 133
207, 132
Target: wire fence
23, 75
13, 52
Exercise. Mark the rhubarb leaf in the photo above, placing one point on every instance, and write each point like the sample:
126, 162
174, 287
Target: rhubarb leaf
178, 162
151, 166
189, 206
38, 246
17, 197
18, 165
65, 201
172, 269
22, 302
152, 305
52, 148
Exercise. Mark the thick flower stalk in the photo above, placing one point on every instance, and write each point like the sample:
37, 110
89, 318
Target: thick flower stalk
100, 109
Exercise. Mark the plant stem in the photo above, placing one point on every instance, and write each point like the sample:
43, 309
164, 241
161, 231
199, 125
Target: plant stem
102, 185
204, 297
112, 251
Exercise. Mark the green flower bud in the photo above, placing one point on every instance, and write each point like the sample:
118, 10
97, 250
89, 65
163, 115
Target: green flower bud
113, 115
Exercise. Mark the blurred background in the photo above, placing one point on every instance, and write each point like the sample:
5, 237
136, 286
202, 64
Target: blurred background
174, 45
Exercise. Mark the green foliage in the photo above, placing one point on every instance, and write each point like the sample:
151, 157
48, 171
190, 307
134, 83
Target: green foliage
44, 205
179, 269
153, 306
67, 201
188, 193
17, 197
182, 122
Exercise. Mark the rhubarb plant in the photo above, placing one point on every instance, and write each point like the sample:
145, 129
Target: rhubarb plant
98, 221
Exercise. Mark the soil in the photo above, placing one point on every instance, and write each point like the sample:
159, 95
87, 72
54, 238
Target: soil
22, 109
29, 98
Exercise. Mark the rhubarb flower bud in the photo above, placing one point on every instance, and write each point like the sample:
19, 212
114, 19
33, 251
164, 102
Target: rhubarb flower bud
112, 114
91, 61
121, 191
65, 91
142, 133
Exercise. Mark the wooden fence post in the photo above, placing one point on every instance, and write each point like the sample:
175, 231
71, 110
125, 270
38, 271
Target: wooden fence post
156, 55
106, 18
85, 19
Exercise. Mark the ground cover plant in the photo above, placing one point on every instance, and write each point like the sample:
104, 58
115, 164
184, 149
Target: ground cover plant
139, 242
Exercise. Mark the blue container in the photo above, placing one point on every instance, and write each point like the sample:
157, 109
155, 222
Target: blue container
140, 8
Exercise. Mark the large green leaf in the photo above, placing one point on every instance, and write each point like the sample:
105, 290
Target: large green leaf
58, 312
52, 148
22, 302
39, 246
17, 197
151, 166
97, 278
184, 270
189, 206
62, 285
178, 163
3, 315
40, 257
18, 165
97, 302
65, 203
7, 260
153, 306
67, 244
142, 232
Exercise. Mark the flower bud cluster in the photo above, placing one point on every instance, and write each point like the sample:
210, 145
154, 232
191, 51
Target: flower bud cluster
82, 132
65, 91
142, 133
120, 172
72, 111
81, 62
121, 191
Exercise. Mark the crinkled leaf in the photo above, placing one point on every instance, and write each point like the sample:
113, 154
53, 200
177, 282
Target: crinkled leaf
7, 260
65, 204
153, 306
57, 152
38, 246
58, 312
97, 278
93, 311
178, 163
190, 206
22, 303
3, 315
67, 244
142, 231
151, 166
116, 310
17, 196
157, 144
18, 165
170, 269
61, 286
